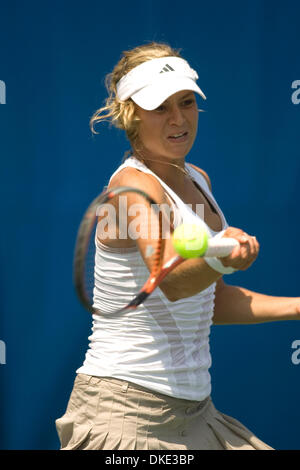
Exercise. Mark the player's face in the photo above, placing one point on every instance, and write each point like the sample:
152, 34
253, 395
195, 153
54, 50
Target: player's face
170, 130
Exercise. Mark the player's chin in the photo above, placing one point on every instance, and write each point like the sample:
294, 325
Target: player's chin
179, 152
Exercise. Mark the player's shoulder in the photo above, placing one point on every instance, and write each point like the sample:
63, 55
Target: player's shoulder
135, 178
203, 173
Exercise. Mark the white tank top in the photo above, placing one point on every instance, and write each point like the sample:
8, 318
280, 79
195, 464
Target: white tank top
162, 345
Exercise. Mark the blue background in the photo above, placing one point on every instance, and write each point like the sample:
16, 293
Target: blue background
53, 58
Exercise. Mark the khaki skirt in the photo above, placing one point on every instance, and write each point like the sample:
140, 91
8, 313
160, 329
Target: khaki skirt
112, 414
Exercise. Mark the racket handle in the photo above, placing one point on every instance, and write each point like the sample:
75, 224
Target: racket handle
220, 247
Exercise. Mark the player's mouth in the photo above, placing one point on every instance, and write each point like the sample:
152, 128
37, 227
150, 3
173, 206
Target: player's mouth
178, 137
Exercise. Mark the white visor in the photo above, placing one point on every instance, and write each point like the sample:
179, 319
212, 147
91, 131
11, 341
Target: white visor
152, 82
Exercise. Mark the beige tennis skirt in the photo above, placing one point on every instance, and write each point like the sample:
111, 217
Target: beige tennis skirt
112, 414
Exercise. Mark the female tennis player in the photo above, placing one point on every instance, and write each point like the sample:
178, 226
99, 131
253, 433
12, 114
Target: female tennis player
145, 381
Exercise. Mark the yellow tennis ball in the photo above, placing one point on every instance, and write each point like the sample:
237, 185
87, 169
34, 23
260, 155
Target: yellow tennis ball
190, 240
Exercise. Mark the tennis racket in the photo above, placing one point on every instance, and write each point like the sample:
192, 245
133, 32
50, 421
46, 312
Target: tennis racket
84, 255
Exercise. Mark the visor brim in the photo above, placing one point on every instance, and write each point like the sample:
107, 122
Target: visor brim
153, 95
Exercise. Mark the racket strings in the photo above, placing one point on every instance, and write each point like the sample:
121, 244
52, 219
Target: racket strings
85, 251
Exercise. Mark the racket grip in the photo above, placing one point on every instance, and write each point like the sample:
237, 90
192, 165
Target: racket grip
220, 247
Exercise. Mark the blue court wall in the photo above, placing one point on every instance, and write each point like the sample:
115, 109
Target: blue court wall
53, 59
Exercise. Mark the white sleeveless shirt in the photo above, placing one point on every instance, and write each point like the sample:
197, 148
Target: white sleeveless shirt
162, 345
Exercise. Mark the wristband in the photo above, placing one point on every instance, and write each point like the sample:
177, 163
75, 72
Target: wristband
216, 264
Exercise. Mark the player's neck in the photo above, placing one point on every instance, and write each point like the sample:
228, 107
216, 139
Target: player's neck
173, 174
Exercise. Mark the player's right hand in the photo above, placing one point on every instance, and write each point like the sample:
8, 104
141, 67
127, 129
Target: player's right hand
243, 256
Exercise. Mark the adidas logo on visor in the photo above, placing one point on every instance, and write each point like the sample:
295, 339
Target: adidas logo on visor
167, 68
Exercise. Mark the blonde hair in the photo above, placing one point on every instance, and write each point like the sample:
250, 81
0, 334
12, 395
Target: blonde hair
122, 113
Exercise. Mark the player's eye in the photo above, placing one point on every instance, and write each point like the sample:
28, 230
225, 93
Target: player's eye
161, 108
188, 102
